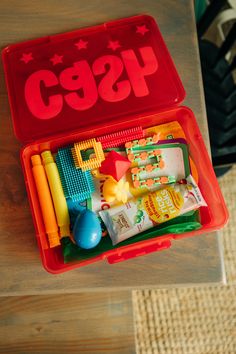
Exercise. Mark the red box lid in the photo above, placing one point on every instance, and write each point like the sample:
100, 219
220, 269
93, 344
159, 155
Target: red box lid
64, 82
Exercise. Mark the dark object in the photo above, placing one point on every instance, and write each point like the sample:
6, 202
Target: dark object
220, 92
220, 171
221, 120
211, 12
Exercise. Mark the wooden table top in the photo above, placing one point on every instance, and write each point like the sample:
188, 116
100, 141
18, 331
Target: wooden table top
89, 323
189, 261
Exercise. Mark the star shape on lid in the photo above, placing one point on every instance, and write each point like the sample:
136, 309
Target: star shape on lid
56, 59
26, 57
113, 45
142, 29
81, 44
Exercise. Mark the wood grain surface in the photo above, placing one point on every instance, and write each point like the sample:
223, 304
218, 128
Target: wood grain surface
189, 261
82, 323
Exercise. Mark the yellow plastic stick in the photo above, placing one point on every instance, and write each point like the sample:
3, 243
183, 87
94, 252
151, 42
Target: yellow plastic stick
58, 197
45, 201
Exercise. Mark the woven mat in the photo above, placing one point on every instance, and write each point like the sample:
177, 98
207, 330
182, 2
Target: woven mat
193, 320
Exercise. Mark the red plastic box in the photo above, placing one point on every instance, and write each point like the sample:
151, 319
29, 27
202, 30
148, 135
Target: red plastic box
99, 80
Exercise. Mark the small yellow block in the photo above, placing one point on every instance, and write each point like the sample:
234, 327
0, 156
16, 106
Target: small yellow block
91, 163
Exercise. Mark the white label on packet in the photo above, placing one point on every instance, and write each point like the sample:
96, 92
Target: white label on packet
120, 222
142, 213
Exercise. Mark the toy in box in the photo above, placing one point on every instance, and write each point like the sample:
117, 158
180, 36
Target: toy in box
114, 167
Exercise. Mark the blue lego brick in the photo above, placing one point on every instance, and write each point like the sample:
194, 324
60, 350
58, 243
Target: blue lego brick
76, 184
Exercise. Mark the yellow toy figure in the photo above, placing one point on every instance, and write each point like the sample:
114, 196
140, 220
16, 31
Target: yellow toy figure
113, 190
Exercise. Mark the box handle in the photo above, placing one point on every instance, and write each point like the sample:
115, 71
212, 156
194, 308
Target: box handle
138, 252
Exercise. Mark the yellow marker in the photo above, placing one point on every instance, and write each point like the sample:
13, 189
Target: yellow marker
58, 197
45, 201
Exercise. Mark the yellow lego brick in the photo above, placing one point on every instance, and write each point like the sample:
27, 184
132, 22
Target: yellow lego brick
91, 163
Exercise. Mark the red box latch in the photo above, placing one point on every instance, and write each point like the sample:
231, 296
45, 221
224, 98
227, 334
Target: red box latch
139, 252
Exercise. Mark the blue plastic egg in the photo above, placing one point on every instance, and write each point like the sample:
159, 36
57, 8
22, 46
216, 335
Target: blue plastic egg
87, 230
